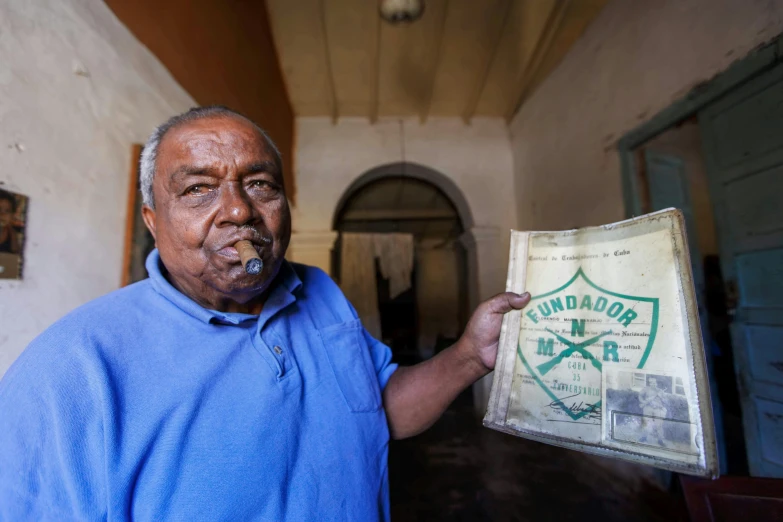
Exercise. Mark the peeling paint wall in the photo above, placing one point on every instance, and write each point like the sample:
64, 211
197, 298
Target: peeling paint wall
76, 90
636, 59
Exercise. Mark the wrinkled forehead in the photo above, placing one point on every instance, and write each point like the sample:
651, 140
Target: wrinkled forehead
214, 141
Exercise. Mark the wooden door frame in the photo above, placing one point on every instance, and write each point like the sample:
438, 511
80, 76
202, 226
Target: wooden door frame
757, 62
635, 195
130, 212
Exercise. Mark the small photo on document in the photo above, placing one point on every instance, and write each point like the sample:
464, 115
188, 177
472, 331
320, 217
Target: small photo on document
648, 409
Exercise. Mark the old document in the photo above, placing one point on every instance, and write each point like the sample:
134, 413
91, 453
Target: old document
607, 358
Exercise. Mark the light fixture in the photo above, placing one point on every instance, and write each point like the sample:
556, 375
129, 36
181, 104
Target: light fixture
401, 11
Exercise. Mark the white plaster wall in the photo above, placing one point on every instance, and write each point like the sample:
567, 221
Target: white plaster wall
634, 60
329, 158
477, 157
65, 142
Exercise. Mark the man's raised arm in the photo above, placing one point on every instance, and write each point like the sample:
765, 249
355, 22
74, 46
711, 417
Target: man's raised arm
416, 396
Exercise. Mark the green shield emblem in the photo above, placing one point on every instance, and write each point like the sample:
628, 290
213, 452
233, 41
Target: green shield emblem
571, 332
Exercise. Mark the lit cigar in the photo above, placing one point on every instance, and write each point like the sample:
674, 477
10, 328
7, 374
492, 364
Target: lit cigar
249, 257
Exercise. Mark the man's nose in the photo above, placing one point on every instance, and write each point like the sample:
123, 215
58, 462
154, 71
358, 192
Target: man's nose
235, 206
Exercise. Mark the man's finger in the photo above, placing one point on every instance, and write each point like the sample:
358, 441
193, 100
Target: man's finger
505, 302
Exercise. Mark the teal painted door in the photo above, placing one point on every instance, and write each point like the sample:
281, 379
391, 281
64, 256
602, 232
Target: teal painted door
743, 148
668, 184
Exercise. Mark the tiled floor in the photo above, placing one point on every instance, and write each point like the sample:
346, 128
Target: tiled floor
460, 471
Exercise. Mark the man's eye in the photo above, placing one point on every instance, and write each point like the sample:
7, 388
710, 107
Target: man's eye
262, 185
197, 190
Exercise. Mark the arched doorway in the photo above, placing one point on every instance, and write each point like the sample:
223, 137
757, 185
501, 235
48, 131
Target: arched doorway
414, 200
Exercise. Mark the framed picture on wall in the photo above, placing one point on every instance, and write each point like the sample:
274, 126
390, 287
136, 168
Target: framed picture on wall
138, 240
13, 217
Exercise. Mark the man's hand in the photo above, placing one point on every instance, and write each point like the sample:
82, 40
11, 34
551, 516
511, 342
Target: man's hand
482, 334
416, 396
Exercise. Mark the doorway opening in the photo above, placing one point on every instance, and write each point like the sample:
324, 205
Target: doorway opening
430, 315
672, 173
718, 155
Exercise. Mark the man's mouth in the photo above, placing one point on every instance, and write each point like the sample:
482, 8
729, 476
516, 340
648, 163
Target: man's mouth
231, 253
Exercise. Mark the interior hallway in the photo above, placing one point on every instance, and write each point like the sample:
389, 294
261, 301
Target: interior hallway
461, 471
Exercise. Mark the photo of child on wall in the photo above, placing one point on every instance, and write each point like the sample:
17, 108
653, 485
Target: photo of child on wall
13, 210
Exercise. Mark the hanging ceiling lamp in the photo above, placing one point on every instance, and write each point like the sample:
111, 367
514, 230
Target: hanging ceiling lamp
401, 11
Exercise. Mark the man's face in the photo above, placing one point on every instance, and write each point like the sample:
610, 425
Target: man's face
216, 183
6, 212
653, 383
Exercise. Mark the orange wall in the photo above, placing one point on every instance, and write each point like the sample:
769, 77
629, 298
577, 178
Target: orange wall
220, 51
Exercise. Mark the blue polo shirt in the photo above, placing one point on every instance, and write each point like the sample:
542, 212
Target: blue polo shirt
143, 405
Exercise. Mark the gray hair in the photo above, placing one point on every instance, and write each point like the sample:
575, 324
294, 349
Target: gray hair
149, 154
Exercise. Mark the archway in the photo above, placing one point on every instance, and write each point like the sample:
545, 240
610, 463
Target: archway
415, 200
414, 171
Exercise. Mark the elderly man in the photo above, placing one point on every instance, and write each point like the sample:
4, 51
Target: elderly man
206, 393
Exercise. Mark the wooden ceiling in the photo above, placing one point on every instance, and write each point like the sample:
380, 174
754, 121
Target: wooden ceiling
463, 58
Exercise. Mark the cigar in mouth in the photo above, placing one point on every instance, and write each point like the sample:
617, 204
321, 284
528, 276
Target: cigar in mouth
251, 261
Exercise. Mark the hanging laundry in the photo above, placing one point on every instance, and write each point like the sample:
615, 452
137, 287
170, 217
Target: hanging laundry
358, 276
395, 255
357, 279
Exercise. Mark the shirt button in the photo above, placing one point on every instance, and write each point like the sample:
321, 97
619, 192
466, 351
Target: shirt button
278, 350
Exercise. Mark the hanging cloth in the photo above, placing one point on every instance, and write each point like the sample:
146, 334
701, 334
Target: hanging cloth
357, 279
395, 255
357, 271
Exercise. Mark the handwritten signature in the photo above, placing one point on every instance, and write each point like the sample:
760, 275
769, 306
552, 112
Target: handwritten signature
593, 411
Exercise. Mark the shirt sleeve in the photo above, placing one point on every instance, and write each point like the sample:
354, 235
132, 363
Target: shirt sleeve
381, 359
380, 353
51, 441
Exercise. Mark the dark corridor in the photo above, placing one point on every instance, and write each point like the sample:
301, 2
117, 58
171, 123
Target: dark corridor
461, 471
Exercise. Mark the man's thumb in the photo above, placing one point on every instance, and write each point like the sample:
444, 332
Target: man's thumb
507, 301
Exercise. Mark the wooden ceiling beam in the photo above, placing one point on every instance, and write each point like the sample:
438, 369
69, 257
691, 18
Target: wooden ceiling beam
544, 43
424, 111
334, 110
501, 23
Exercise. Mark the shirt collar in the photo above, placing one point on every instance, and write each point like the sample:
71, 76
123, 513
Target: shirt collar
281, 294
